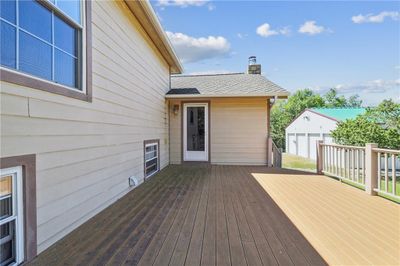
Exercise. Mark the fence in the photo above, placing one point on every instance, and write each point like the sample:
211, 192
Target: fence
370, 168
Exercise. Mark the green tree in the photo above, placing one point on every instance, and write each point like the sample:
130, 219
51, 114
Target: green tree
387, 114
354, 101
332, 99
379, 125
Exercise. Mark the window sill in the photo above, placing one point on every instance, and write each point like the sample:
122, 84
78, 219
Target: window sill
39, 84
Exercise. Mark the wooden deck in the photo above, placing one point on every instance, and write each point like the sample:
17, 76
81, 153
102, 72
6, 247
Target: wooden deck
236, 215
192, 215
344, 224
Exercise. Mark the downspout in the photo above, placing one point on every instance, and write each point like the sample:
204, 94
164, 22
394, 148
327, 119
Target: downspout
269, 138
169, 117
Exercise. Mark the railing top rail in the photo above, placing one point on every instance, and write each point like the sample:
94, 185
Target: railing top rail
386, 151
344, 146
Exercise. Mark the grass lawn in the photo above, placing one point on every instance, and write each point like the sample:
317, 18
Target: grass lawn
296, 162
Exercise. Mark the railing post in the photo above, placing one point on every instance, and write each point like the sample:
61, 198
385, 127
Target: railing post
320, 157
269, 151
371, 168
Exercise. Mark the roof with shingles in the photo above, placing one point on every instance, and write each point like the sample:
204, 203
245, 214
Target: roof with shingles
339, 114
225, 85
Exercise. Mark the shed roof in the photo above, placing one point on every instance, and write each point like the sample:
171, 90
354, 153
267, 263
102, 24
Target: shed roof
339, 114
224, 85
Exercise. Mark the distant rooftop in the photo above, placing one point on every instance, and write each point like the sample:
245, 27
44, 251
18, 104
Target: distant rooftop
224, 85
339, 114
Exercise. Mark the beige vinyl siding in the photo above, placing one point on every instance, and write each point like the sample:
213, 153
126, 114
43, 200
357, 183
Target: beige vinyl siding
86, 151
238, 131
175, 133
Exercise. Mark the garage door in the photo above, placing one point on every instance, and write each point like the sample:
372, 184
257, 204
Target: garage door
302, 145
292, 143
312, 145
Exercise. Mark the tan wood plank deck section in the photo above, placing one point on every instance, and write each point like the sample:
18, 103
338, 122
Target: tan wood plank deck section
344, 224
191, 215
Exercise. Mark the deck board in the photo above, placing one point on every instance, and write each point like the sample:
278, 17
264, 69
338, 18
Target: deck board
344, 224
188, 215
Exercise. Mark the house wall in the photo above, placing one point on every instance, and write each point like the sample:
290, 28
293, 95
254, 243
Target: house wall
303, 133
238, 131
86, 151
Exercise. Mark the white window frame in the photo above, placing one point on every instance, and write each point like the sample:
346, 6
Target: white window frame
18, 210
152, 158
82, 46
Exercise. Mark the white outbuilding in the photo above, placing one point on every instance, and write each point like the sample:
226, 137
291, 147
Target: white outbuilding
313, 125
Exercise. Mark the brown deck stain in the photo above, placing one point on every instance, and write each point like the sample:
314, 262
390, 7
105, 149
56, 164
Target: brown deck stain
188, 215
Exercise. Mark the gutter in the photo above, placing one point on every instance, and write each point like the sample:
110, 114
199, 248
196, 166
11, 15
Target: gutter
182, 96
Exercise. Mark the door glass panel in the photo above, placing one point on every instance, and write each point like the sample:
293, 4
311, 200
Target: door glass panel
195, 128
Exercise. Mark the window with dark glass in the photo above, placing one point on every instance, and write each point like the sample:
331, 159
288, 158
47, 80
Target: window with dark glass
43, 39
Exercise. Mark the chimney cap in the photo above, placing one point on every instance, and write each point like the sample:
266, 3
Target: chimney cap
252, 60
253, 67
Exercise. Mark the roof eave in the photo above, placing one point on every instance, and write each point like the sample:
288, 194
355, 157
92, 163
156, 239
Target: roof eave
144, 12
182, 96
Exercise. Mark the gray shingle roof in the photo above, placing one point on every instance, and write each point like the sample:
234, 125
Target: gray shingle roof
224, 85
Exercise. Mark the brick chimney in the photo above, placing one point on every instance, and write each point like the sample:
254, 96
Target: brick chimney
253, 67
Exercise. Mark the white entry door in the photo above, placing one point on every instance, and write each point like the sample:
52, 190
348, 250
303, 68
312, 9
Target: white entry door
195, 132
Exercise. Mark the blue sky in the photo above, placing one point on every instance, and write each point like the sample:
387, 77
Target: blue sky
353, 46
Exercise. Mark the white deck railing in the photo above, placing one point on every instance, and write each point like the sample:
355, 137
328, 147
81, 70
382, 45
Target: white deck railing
344, 162
388, 170
373, 169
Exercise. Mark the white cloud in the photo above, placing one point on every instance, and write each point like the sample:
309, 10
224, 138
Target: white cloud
211, 7
372, 86
371, 92
241, 35
191, 49
376, 86
311, 28
182, 3
285, 30
265, 30
379, 18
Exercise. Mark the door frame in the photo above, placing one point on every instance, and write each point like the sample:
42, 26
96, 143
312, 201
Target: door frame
183, 103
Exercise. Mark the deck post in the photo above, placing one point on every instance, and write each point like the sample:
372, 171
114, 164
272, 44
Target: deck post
320, 157
371, 168
269, 151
